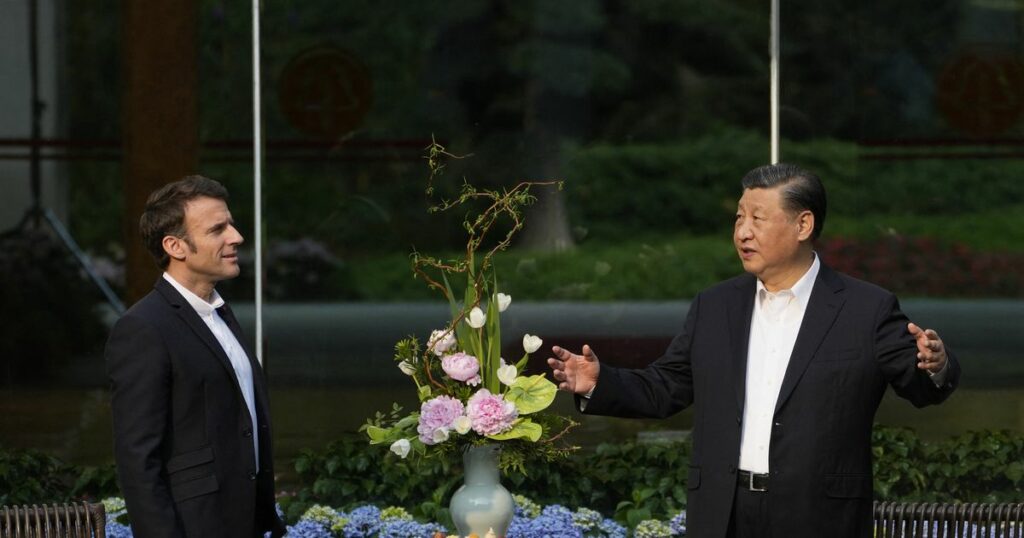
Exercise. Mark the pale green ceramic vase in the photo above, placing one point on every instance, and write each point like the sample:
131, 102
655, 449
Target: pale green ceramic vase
482, 503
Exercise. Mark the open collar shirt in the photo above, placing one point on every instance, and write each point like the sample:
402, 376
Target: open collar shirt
208, 312
774, 326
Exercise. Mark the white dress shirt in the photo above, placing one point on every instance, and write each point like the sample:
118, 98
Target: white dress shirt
773, 330
234, 350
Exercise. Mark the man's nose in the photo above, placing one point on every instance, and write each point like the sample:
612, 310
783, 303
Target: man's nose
237, 238
743, 230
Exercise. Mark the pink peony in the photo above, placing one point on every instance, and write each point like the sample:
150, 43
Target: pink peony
437, 418
490, 413
462, 367
440, 342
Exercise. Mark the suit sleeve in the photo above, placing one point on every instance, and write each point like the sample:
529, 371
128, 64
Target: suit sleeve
896, 352
662, 389
139, 369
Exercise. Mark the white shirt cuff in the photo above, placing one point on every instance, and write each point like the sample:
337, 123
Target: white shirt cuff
939, 378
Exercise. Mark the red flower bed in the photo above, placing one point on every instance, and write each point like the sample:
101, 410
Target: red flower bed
923, 266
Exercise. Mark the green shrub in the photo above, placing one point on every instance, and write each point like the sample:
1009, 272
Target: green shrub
32, 477
617, 191
637, 481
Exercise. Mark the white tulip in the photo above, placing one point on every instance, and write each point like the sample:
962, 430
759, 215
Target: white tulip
531, 343
462, 424
503, 301
407, 368
476, 318
440, 435
507, 373
401, 447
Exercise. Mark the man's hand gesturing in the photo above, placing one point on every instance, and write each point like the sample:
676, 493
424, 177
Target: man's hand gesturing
575, 373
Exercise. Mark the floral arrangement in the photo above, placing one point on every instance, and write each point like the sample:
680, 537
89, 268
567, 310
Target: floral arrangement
469, 394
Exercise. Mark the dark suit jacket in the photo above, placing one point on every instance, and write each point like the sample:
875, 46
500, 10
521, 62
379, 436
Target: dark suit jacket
853, 343
182, 431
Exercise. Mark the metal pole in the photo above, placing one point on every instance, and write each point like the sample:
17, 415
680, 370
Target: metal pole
773, 52
257, 140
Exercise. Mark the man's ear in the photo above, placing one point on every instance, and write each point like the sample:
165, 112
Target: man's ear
174, 247
805, 225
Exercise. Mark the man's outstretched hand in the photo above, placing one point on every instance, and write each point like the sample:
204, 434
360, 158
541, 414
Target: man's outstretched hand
575, 373
931, 353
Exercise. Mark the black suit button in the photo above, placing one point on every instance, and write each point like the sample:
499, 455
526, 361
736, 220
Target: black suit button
247, 433
252, 476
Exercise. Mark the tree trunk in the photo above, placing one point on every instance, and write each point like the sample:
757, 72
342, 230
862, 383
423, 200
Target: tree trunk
159, 115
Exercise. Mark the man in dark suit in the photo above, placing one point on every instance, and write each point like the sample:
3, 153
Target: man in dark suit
785, 367
191, 417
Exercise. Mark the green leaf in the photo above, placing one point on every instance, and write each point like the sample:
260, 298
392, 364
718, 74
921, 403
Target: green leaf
523, 428
531, 393
377, 435
424, 393
406, 422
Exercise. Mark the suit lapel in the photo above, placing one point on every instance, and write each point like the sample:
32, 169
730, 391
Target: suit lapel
740, 312
194, 322
257, 372
824, 305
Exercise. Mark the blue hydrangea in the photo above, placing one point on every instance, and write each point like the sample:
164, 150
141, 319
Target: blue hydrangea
117, 530
678, 524
307, 528
554, 521
608, 528
407, 528
363, 522
520, 526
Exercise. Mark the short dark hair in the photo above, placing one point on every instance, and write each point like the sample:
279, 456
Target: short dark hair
164, 213
801, 191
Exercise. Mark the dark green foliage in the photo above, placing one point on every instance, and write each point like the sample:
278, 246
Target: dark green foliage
350, 472
620, 191
635, 481
631, 480
32, 477
617, 191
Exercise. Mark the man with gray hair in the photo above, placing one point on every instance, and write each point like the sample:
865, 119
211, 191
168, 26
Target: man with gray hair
785, 367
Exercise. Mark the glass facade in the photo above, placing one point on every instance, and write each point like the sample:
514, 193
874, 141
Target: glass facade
648, 112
